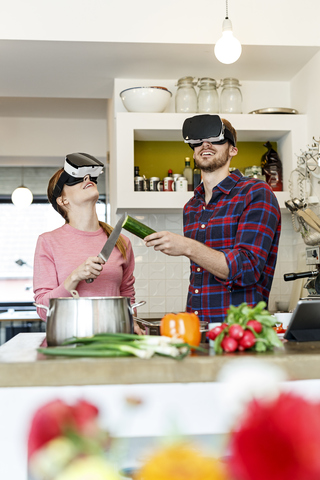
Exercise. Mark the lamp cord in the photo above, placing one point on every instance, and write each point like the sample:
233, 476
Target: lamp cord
227, 16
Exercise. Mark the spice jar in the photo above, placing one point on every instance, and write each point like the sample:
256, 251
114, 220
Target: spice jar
186, 97
208, 98
231, 96
254, 172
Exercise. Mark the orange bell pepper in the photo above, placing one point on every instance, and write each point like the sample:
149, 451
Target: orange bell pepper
183, 325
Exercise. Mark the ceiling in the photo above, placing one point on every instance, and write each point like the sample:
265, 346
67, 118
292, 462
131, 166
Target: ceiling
36, 72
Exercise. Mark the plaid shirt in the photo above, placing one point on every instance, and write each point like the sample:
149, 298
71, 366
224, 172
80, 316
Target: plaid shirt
242, 220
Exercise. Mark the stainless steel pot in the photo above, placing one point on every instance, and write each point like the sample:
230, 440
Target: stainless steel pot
86, 316
152, 327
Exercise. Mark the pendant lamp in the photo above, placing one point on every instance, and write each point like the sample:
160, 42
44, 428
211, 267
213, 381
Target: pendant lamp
228, 48
22, 197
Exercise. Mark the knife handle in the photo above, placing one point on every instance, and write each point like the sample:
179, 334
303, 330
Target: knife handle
89, 280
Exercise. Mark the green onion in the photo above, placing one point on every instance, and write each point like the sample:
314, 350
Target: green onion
120, 344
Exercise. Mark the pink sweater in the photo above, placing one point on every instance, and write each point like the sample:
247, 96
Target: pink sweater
61, 251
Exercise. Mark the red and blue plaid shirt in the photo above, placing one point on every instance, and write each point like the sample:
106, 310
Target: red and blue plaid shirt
242, 220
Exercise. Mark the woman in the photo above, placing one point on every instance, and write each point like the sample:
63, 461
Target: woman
66, 257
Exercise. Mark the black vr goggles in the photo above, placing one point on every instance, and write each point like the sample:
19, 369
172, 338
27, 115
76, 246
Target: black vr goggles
76, 167
206, 127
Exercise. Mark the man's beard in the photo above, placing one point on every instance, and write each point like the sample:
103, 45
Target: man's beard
216, 163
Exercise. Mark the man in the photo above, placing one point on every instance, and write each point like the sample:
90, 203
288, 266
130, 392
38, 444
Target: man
231, 226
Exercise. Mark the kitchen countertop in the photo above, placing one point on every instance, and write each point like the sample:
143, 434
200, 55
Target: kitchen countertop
21, 365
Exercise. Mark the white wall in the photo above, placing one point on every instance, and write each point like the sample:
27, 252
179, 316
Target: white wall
42, 140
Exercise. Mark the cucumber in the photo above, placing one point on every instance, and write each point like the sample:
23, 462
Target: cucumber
137, 228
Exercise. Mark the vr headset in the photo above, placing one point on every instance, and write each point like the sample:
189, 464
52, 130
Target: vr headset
76, 167
206, 127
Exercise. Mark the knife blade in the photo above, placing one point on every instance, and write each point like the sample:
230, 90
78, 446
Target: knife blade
110, 243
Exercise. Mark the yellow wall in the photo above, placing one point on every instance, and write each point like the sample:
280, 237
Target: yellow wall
155, 158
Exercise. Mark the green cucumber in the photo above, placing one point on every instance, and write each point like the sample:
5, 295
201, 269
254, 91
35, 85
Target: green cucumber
137, 228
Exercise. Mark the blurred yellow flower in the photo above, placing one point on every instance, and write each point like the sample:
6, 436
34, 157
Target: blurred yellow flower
181, 461
89, 468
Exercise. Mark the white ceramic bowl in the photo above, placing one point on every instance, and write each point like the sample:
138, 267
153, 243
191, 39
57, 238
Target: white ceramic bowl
146, 99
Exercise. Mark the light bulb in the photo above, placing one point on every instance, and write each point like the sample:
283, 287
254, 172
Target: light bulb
228, 48
22, 197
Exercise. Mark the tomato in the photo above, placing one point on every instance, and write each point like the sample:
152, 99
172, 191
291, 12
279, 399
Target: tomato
182, 325
279, 329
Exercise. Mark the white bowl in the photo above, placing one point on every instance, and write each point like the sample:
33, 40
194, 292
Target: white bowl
146, 99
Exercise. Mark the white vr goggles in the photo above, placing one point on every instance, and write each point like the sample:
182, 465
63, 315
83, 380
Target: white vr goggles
76, 167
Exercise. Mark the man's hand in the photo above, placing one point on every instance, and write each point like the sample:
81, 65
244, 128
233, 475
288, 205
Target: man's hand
176, 245
168, 243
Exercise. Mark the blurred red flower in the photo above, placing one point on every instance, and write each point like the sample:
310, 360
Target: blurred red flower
278, 440
56, 418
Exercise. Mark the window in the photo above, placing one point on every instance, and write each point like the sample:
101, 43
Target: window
20, 229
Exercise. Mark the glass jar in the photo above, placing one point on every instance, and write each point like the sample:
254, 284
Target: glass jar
186, 97
231, 96
254, 172
208, 98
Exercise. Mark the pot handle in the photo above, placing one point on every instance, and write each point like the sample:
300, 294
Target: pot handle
144, 322
41, 306
135, 305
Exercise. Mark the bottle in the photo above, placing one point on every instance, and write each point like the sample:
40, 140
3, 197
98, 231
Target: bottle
170, 173
208, 98
186, 97
272, 168
196, 176
136, 171
188, 174
231, 96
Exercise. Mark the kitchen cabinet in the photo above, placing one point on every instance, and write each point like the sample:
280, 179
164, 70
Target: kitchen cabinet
289, 131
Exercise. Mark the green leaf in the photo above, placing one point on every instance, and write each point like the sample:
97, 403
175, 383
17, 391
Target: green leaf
272, 337
252, 330
260, 345
217, 342
265, 319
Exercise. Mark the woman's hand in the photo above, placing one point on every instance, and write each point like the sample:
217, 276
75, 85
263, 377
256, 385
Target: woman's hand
137, 329
91, 268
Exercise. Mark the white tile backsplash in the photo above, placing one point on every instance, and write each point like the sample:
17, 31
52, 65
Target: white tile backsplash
163, 280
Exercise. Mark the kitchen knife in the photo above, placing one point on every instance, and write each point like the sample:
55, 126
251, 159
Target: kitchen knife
110, 243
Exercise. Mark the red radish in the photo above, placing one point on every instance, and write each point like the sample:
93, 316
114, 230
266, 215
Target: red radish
248, 340
257, 327
229, 344
214, 332
236, 331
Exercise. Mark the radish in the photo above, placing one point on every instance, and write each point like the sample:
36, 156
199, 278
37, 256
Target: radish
214, 332
248, 340
257, 327
236, 331
229, 344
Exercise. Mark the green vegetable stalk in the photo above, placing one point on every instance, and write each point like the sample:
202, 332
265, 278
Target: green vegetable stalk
137, 228
120, 345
